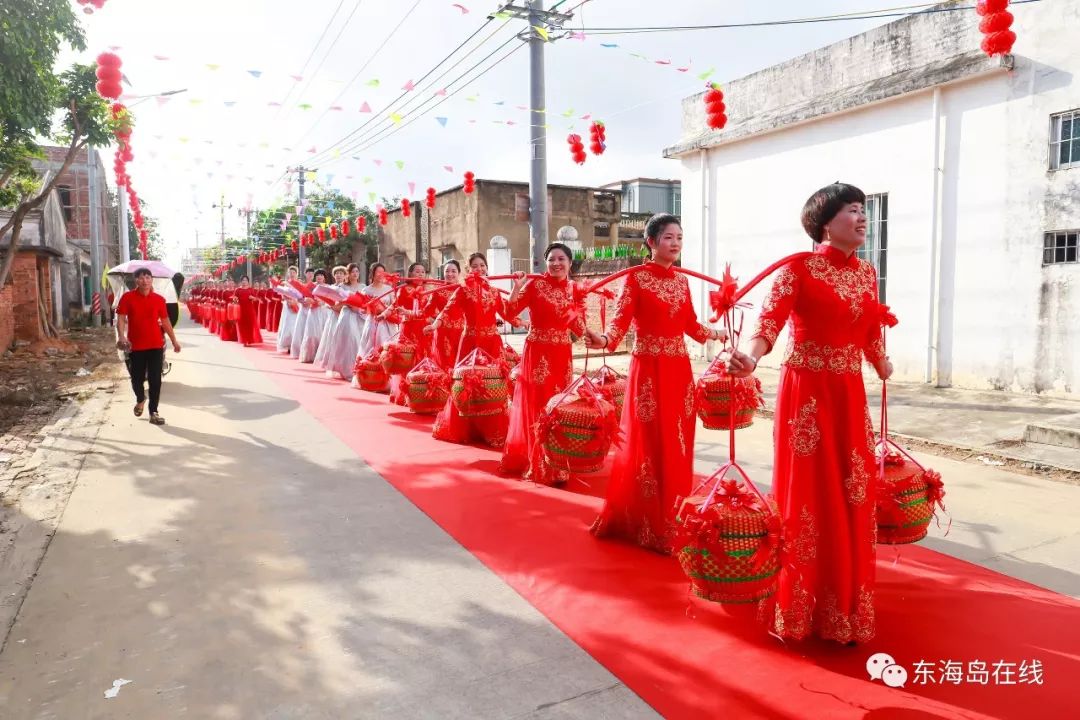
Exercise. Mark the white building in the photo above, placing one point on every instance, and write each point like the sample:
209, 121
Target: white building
973, 168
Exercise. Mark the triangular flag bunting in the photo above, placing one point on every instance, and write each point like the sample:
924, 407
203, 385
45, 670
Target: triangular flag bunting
365, 108
400, 164
442, 121
408, 87
255, 73
395, 118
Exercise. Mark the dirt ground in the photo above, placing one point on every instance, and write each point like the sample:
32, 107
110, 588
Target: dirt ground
35, 378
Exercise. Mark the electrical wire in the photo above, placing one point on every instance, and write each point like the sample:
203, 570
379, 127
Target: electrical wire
900, 11
382, 116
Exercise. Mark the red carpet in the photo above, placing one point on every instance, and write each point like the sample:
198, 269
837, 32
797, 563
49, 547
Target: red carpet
631, 611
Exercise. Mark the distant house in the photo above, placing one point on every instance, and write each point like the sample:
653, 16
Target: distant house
33, 289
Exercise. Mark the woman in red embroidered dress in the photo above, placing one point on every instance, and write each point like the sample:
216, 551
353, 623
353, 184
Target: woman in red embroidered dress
556, 308
247, 328
447, 336
407, 305
227, 330
654, 465
824, 453
478, 302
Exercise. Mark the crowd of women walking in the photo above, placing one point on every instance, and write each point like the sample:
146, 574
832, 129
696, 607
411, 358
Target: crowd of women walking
824, 451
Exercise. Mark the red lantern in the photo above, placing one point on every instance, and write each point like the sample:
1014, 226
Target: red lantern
577, 149
714, 107
384, 216
344, 228
998, 39
322, 235
361, 224
295, 246
470, 183
334, 232
108, 75
406, 208
429, 201
597, 138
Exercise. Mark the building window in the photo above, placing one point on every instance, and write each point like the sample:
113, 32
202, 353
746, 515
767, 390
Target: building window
676, 202
877, 237
631, 199
1060, 247
65, 202
1065, 140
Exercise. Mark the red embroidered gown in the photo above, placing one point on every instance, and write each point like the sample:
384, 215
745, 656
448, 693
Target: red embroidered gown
212, 305
409, 302
477, 303
824, 453
227, 330
556, 307
248, 326
446, 336
655, 463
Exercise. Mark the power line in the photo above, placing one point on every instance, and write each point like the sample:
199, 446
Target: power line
344, 26
371, 142
325, 154
360, 71
862, 15
365, 135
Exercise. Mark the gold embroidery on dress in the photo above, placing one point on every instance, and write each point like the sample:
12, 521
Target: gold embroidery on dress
876, 351
784, 286
561, 299
795, 621
768, 329
660, 345
646, 402
812, 356
551, 336
805, 434
688, 400
672, 291
871, 447
843, 627
646, 480
855, 484
805, 544
852, 285
542, 371
682, 438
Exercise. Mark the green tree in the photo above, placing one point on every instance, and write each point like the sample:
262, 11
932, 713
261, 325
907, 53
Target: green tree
267, 233
32, 95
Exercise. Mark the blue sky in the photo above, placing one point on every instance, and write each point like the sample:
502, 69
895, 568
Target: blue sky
235, 58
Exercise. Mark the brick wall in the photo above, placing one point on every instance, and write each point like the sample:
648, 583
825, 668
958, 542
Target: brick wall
24, 300
7, 318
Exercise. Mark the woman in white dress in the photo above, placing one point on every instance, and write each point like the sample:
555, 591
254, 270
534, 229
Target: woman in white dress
378, 331
349, 328
340, 274
288, 315
318, 317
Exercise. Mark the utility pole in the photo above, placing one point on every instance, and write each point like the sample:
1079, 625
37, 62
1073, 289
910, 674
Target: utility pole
223, 207
95, 238
532, 11
122, 224
302, 262
247, 254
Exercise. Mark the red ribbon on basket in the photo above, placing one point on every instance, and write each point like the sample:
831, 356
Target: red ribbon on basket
437, 384
773, 540
733, 494
472, 384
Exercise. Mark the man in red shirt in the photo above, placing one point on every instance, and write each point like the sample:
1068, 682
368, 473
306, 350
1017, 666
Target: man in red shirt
142, 323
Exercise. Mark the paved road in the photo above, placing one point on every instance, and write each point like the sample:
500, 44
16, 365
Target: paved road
242, 563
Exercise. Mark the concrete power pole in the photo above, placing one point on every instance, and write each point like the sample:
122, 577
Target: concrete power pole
532, 11
302, 261
220, 205
95, 237
122, 224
